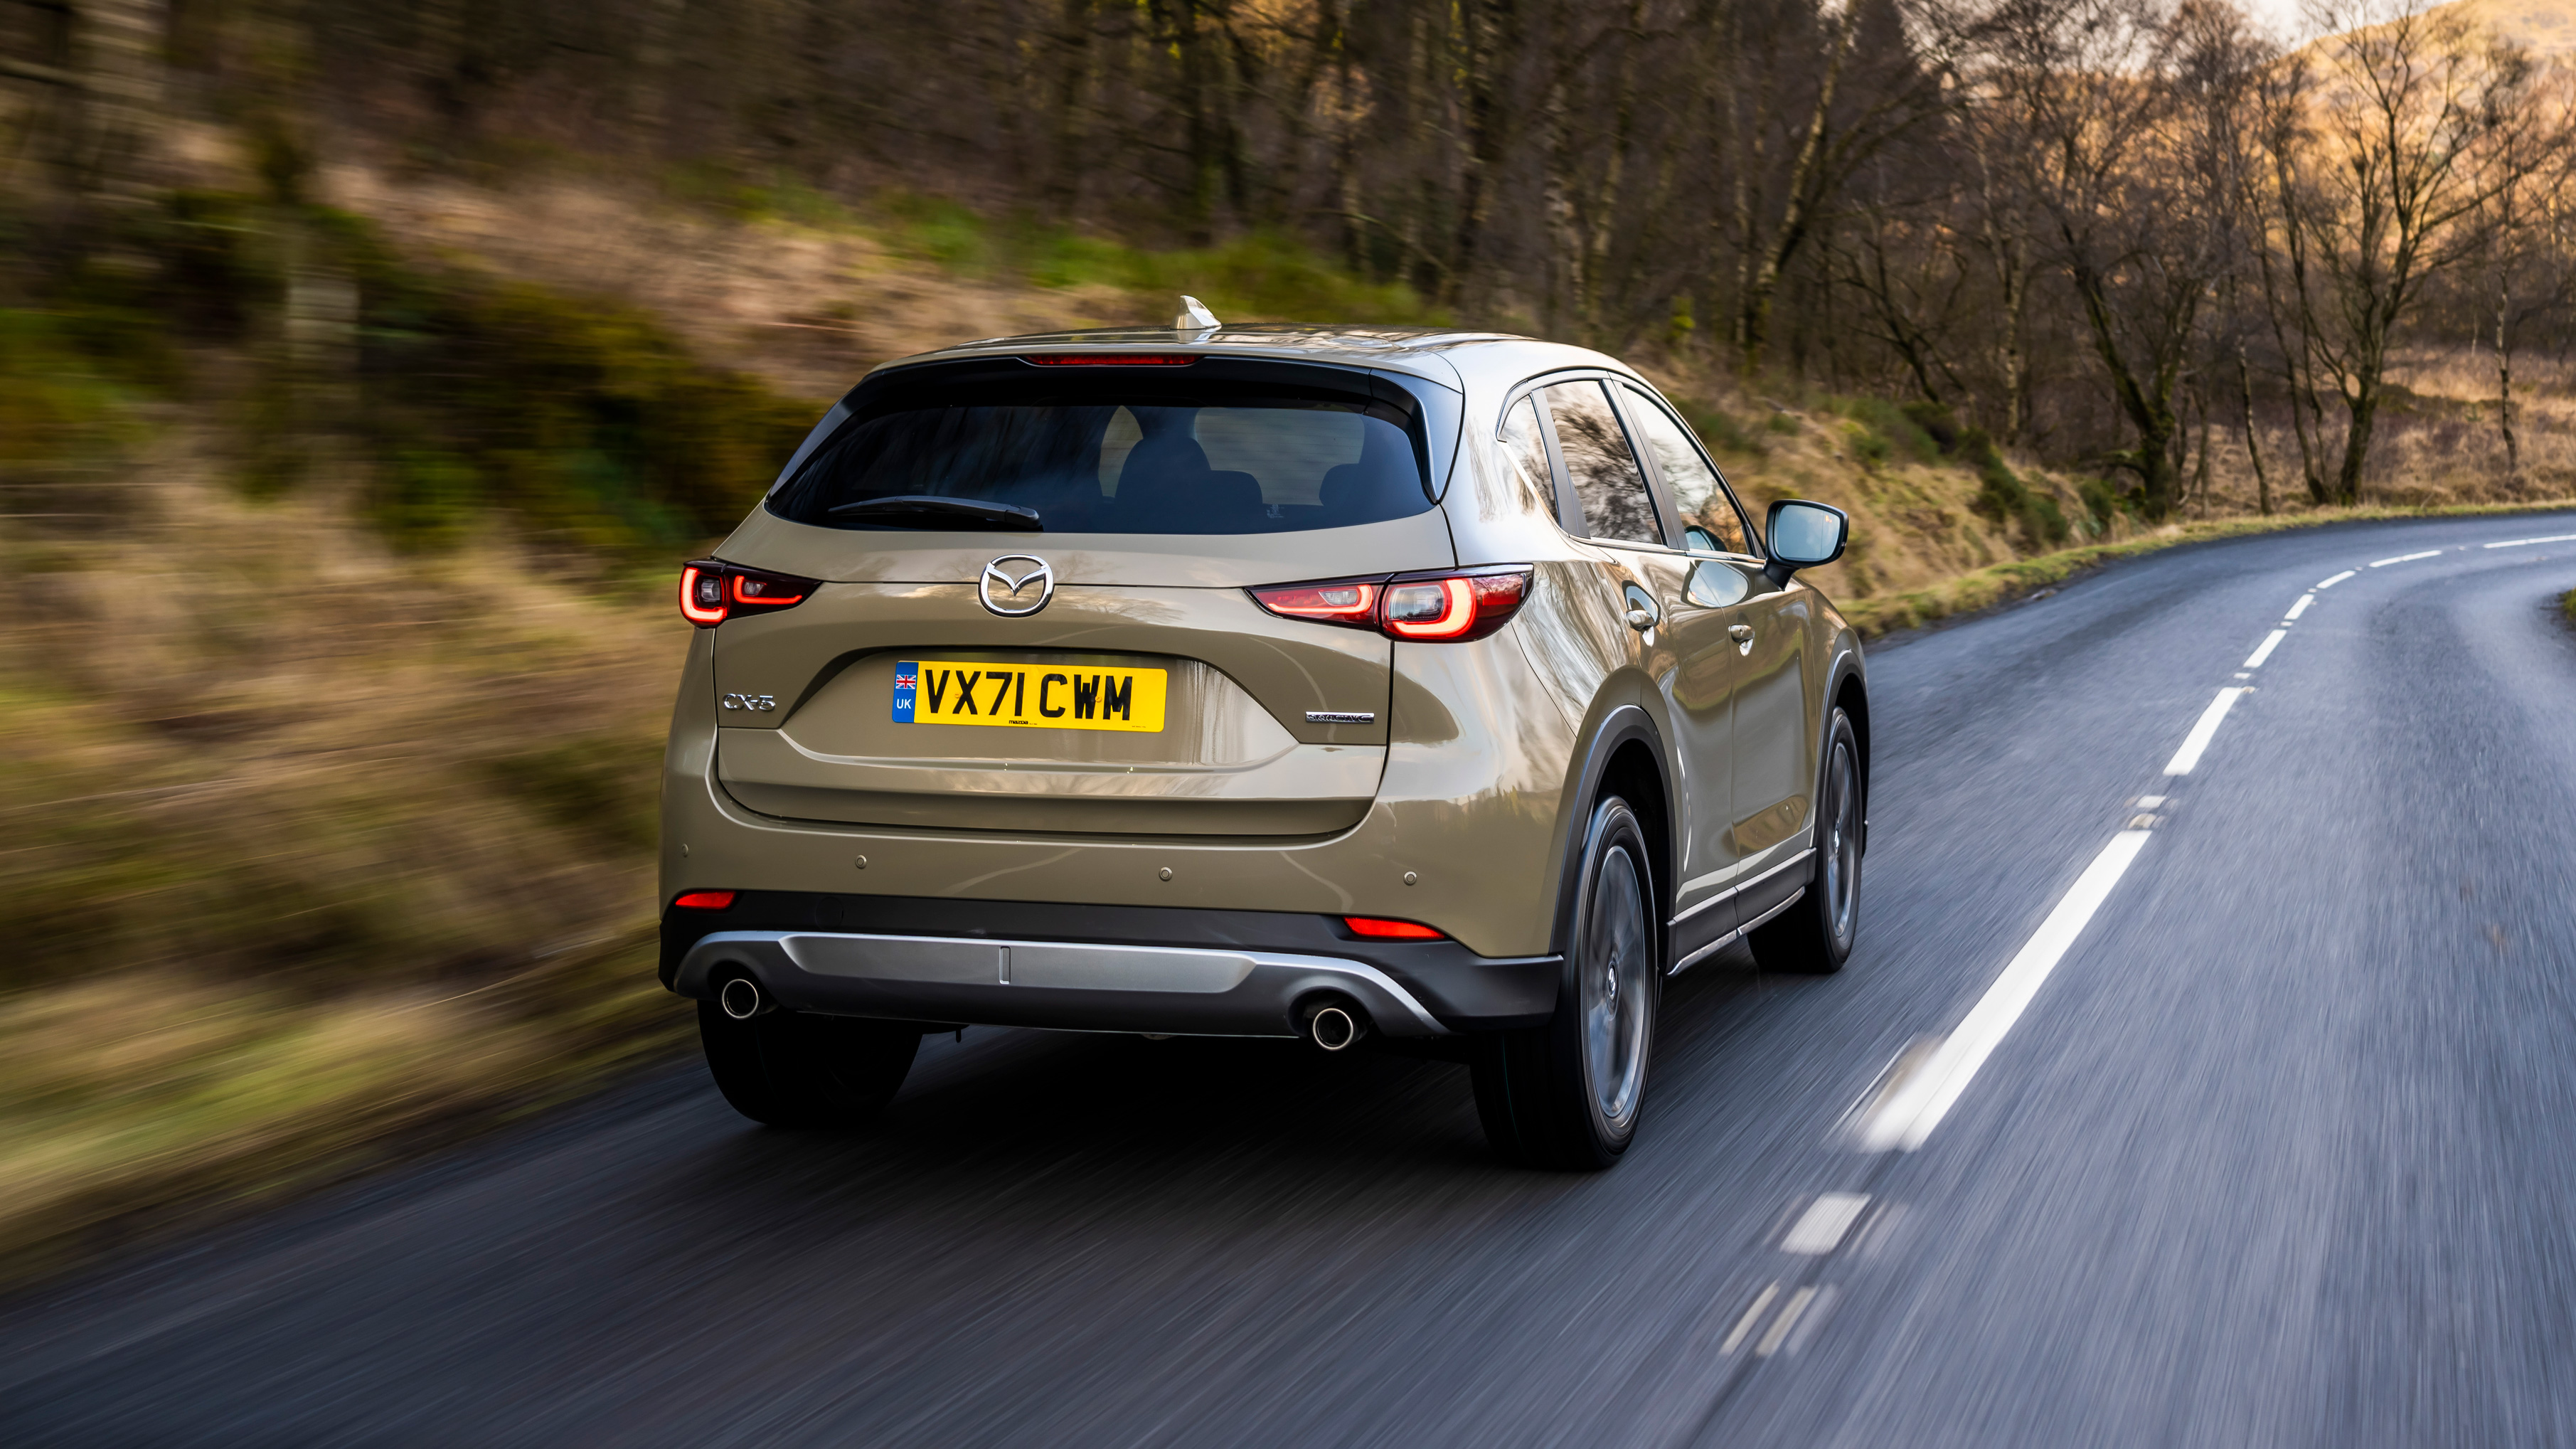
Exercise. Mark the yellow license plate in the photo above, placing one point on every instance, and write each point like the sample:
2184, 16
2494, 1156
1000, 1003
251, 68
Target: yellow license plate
1029, 696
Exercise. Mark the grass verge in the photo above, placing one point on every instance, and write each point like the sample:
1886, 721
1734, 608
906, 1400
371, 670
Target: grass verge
2002, 583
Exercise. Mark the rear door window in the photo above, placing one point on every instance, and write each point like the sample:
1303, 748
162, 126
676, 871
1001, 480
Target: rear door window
1609, 487
1118, 455
1706, 507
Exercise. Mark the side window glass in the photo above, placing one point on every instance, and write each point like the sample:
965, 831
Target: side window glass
1708, 510
1612, 488
1525, 457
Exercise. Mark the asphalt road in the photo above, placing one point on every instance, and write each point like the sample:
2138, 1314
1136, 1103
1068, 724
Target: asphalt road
2281, 1151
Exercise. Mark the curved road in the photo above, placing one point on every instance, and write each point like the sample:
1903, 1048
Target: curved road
2247, 1116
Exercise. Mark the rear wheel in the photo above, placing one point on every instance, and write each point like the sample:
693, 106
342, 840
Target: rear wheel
795, 1069
1814, 936
1566, 1095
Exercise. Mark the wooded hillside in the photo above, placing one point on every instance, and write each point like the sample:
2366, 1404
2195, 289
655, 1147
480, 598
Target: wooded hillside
2102, 230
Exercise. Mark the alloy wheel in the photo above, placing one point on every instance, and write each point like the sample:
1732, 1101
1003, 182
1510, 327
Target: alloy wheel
1615, 984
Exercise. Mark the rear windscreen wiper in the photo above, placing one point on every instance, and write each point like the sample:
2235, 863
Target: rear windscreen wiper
923, 510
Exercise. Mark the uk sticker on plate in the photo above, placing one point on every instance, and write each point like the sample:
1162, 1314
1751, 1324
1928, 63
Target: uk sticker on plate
1029, 696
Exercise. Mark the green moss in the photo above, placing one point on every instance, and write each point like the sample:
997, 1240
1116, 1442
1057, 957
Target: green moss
58, 400
579, 419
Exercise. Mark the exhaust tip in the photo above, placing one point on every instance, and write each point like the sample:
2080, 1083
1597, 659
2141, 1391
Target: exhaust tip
741, 998
1335, 1025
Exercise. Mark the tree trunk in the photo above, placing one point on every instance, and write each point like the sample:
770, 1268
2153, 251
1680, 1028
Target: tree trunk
2504, 378
1071, 75
1753, 328
111, 149
1490, 27
2253, 449
1606, 197
2363, 403
2199, 406
1561, 304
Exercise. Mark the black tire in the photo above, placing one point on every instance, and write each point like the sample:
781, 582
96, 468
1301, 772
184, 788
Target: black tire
1814, 937
796, 1069
1567, 1095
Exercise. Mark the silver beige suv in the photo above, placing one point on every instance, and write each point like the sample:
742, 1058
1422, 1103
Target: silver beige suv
1254, 681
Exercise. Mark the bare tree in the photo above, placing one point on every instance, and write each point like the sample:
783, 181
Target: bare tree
2413, 128
2111, 110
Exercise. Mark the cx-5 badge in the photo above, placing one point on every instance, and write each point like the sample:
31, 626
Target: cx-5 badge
1008, 596
1341, 716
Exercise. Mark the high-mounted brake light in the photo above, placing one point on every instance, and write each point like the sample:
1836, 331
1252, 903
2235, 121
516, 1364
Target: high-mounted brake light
1110, 359
712, 591
1377, 929
705, 901
1436, 608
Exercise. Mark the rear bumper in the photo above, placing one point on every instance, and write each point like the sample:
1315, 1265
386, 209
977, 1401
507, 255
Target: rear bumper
1090, 968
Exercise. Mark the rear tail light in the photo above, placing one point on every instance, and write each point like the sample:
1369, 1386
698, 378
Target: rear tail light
712, 591
1350, 603
705, 901
1377, 929
1440, 608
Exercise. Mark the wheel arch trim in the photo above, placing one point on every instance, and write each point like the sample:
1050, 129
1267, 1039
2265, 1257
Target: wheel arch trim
1622, 725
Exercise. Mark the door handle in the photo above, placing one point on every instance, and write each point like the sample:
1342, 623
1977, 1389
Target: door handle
1742, 634
1641, 619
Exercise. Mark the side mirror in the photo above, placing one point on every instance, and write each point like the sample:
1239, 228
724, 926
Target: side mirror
1803, 535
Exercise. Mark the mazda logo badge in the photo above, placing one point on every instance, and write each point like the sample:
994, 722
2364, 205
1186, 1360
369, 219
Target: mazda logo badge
1008, 596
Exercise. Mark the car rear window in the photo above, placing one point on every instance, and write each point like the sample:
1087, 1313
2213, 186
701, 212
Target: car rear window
1120, 450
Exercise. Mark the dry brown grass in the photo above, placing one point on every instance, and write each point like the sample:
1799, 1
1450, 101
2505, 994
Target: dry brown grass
310, 847
806, 307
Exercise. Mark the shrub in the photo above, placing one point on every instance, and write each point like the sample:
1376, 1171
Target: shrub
1893, 428
2004, 498
581, 419
2102, 501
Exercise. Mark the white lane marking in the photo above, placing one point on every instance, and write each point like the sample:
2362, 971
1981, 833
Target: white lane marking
2203, 731
2150, 802
2339, 578
2520, 542
1787, 1320
2301, 606
1819, 1230
1752, 1316
1916, 1106
2264, 650
2382, 563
